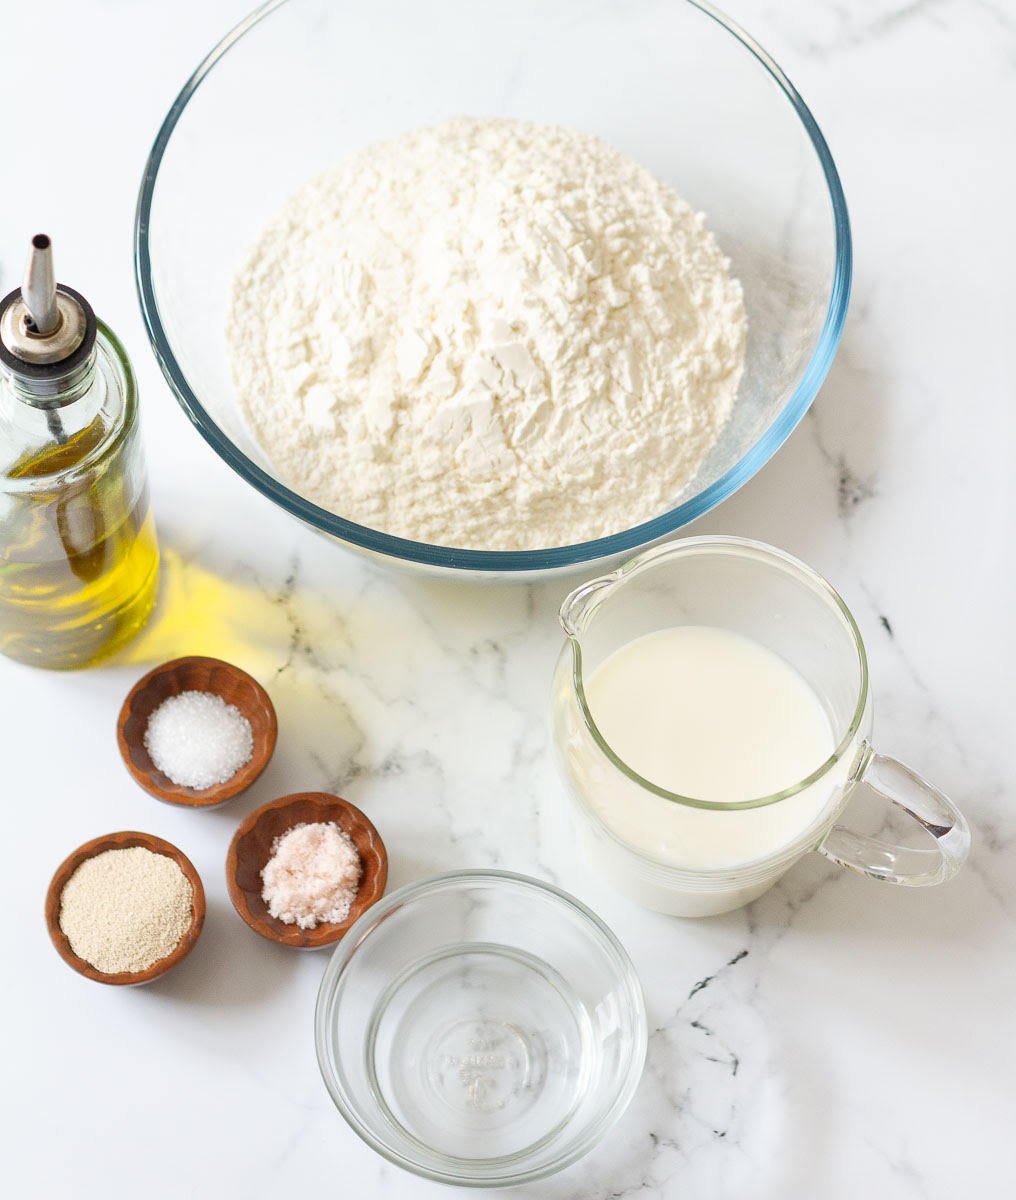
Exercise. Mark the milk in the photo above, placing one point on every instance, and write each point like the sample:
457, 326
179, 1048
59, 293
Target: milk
710, 714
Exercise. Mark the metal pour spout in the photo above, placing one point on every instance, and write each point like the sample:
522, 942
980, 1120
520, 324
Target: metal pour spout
39, 289
46, 329
47, 338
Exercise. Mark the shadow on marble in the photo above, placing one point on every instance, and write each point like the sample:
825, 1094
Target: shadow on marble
833, 457
819, 898
510, 606
230, 967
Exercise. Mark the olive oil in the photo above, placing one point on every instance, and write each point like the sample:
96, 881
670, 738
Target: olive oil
79, 570
78, 552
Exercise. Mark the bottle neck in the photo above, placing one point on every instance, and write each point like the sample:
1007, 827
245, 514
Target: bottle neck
56, 390
48, 431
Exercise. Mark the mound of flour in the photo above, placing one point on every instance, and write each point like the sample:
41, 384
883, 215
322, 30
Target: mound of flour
488, 334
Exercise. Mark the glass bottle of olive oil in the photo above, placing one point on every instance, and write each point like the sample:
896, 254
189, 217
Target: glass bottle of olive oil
78, 554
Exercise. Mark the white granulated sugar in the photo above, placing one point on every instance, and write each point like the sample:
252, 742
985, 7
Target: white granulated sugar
488, 334
198, 740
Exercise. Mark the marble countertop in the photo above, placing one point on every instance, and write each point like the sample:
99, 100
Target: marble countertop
839, 1036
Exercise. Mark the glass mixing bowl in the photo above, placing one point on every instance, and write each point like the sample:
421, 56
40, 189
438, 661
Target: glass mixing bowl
301, 83
480, 1028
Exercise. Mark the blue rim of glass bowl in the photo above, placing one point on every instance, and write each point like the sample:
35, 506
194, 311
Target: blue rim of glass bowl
500, 560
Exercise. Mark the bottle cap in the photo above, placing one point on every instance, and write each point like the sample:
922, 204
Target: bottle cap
46, 329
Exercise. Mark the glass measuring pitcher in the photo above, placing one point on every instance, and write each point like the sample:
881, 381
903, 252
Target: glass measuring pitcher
764, 595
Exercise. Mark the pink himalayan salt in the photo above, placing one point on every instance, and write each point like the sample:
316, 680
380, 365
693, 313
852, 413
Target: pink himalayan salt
312, 876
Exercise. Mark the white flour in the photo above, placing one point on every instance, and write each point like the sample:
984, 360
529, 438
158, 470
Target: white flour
488, 334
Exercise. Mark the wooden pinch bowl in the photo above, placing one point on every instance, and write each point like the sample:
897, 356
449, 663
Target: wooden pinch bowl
197, 674
251, 848
121, 841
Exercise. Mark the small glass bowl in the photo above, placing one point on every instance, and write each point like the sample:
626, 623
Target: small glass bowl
480, 1028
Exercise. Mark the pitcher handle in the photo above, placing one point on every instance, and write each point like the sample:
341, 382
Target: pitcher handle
902, 864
